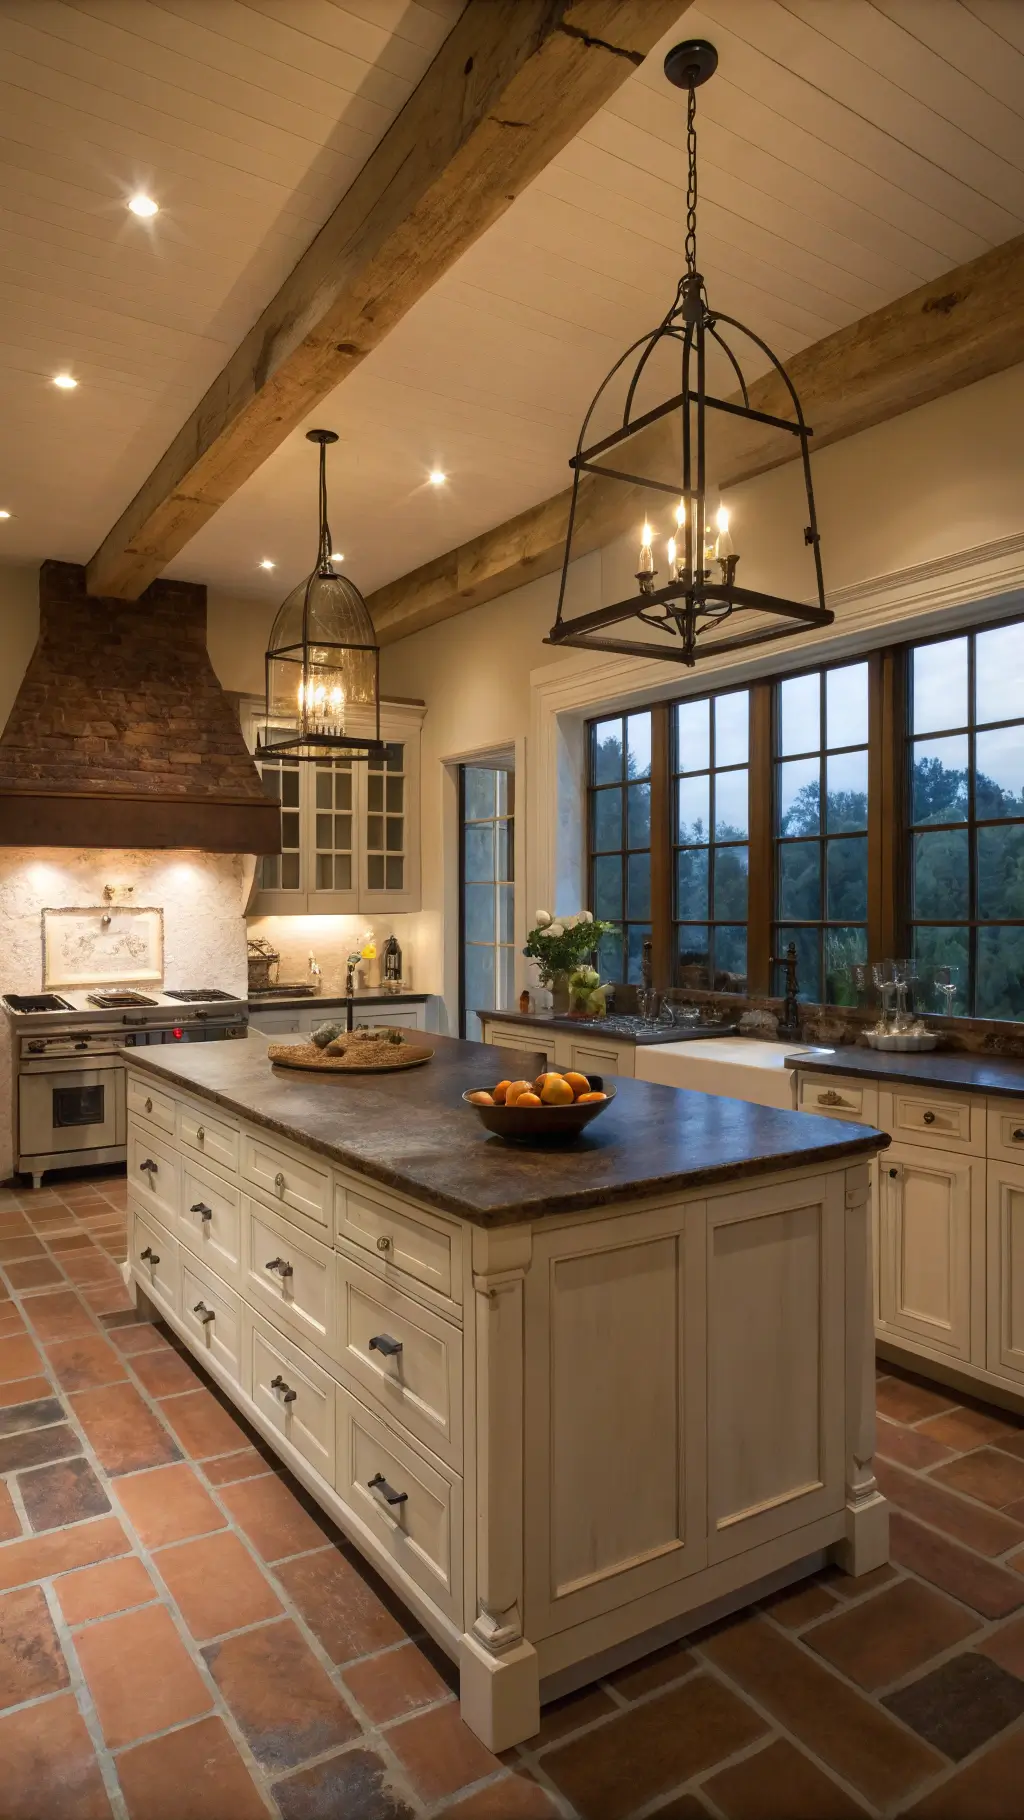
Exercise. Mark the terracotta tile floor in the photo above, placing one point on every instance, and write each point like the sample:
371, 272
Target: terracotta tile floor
183, 1638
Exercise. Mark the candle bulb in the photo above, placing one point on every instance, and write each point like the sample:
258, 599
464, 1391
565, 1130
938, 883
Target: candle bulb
646, 571
724, 540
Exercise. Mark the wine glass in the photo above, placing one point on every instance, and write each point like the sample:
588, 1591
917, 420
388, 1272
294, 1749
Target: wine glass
883, 974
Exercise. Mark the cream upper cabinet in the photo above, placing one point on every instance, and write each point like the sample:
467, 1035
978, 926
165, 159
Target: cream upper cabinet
350, 829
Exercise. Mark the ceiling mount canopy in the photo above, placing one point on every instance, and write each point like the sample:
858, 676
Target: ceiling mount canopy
323, 661
700, 591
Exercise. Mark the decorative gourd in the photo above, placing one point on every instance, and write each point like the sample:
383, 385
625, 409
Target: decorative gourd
326, 1033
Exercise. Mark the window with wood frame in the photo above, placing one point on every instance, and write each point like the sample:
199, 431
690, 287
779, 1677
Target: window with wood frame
863, 809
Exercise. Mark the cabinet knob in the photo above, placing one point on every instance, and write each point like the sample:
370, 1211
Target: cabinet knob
205, 1314
380, 1485
149, 1105
200, 1134
279, 1181
894, 1173
204, 1212
150, 1255
148, 1167
287, 1394
383, 1243
1018, 1135
929, 1118
382, 1342
281, 1265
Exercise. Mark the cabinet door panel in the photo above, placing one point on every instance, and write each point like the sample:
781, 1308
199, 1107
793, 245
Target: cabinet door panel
589, 1058
925, 1246
612, 1360
775, 1360
1006, 1270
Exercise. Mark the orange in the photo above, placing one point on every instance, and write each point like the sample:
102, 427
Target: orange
556, 1091
481, 1098
528, 1099
514, 1089
552, 1074
579, 1083
498, 1093
587, 1099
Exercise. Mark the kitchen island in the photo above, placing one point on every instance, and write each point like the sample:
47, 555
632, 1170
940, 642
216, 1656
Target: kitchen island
569, 1402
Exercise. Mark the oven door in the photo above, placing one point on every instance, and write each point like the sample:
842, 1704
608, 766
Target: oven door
71, 1109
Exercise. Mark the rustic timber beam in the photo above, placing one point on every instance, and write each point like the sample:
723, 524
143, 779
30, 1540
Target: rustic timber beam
514, 81
944, 335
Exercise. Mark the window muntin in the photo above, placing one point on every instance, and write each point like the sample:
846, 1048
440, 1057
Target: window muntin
820, 825
333, 825
487, 894
385, 820
620, 840
710, 792
283, 871
965, 807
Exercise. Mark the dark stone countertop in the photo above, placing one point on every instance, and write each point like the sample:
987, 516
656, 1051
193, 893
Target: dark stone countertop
266, 1001
596, 1026
412, 1132
993, 1074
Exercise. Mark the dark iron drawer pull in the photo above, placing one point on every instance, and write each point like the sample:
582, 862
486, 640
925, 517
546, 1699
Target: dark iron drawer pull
149, 1255
281, 1265
148, 1167
287, 1395
929, 1118
894, 1173
1018, 1135
204, 1212
205, 1314
382, 1342
379, 1484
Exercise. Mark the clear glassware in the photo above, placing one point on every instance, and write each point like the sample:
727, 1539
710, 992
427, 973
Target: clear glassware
883, 976
904, 974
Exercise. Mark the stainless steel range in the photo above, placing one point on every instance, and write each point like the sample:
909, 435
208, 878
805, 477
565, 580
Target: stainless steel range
69, 1079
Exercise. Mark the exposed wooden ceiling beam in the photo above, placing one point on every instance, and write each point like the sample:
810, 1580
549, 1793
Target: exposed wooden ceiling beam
514, 81
948, 333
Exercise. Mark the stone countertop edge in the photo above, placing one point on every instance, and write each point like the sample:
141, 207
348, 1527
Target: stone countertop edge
267, 1001
990, 1074
641, 1039
435, 1150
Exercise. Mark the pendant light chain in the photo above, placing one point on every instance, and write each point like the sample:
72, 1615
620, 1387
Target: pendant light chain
691, 182
324, 563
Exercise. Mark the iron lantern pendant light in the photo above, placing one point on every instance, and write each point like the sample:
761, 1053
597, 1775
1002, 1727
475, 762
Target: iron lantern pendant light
701, 590
323, 661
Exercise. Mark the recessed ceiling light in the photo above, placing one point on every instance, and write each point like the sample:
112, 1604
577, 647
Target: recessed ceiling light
143, 205
6, 514
267, 564
65, 382
437, 477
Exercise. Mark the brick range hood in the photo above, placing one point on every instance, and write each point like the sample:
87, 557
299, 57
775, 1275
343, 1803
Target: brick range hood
121, 735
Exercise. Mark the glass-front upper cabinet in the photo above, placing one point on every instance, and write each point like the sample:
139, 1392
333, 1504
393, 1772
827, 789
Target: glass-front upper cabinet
349, 828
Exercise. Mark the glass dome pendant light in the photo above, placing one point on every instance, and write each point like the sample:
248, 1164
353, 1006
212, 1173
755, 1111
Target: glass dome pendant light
323, 661
700, 590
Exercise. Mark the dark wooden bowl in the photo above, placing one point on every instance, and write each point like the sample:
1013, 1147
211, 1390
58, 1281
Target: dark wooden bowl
542, 1124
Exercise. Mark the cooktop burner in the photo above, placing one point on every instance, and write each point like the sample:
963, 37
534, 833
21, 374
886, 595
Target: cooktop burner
189, 995
36, 1001
110, 1001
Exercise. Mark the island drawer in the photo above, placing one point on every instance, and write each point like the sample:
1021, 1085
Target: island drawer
209, 1220
920, 1115
154, 1255
400, 1242
407, 1357
292, 1393
154, 1173
149, 1103
209, 1137
296, 1187
838, 1099
412, 1507
288, 1273
1006, 1130
211, 1314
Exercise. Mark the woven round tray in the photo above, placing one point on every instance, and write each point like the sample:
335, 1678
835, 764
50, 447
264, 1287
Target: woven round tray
309, 1057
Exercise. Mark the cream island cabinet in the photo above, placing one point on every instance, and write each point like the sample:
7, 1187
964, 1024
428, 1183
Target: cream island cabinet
569, 1403
949, 1219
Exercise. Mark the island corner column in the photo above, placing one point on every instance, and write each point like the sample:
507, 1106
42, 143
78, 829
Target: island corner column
866, 1544
498, 1668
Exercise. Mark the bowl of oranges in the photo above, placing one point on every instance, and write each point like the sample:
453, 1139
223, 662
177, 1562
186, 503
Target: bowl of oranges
556, 1106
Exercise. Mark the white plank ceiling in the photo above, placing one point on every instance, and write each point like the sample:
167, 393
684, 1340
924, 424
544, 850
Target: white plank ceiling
850, 150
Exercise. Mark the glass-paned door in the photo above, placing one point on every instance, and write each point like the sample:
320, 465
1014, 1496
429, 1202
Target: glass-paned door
486, 894
282, 777
386, 821
332, 826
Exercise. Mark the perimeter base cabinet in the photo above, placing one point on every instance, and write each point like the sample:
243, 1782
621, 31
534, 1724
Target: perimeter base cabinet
949, 1224
559, 1441
586, 1053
